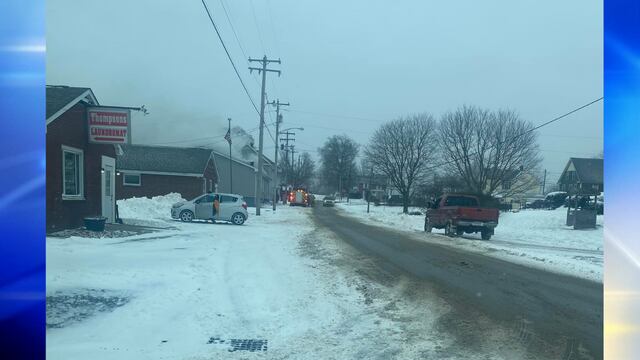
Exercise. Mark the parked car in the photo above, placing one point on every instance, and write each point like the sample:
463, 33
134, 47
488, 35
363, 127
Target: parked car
459, 214
555, 199
536, 204
329, 201
233, 209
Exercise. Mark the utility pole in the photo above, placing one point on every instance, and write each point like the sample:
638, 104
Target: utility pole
286, 148
369, 188
277, 104
544, 181
263, 70
228, 137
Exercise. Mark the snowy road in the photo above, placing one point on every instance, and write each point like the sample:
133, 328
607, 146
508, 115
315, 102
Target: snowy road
275, 288
284, 286
553, 316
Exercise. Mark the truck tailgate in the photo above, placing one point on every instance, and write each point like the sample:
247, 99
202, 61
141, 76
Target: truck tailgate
478, 214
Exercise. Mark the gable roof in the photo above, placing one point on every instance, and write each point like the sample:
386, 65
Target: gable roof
145, 158
60, 98
589, 170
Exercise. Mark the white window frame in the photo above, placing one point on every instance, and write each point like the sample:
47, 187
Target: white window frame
80, 152
124, 176
210, 185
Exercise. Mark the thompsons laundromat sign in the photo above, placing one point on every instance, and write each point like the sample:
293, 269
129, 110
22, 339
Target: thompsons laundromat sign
109, 125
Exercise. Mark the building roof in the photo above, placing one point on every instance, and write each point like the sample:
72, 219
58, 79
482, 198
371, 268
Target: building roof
237, 161
588, 170
60, 98
163, 159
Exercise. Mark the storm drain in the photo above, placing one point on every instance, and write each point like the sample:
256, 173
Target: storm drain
252, 345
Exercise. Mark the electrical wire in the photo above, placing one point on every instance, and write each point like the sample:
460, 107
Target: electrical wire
521, 134
215, 27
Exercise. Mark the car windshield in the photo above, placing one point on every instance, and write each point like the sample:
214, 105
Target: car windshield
329, 198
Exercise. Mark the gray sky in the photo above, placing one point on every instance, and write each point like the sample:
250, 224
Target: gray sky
366, 61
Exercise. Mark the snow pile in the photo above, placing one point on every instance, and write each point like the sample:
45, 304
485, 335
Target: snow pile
537, 238
157, 207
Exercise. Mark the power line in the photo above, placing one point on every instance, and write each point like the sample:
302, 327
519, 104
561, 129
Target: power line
522, 134
255, 20
237, 39
561, 116
233, 29
229, 56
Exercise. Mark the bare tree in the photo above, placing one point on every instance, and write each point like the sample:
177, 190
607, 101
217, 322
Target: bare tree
302, 171
338, 157
402, 149
490, 151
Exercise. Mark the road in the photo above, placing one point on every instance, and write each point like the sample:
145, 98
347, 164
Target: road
552, 316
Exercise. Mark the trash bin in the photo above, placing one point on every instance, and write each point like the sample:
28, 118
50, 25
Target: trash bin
95, 223
585, 219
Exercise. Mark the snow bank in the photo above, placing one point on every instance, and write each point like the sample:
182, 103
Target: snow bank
157, 207
536, 238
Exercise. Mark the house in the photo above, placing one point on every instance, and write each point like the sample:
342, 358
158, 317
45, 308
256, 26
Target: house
82, 140
582, 176
517, 186
239, 177
147, 171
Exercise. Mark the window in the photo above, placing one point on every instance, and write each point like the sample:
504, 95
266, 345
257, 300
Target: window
205, 199
228, 199
460, 201
131, 179
506, 184
210, 185
72, 173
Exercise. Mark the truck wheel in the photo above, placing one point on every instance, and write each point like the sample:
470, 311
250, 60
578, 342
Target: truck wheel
427, 225
486, 235
459, 232
450, 230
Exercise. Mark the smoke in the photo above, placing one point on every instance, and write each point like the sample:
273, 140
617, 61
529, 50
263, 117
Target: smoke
168, 126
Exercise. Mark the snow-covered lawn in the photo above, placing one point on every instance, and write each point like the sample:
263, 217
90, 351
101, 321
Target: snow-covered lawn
204, 291
532, 237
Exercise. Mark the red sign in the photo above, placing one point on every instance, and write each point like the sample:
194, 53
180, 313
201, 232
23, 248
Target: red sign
109, 125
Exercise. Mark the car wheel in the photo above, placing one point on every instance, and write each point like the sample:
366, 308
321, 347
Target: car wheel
427, 225
237, 219
186, 216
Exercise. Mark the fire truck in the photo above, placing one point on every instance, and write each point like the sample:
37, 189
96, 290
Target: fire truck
299, 197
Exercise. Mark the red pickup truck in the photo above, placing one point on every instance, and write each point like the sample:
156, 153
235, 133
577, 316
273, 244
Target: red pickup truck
459, 214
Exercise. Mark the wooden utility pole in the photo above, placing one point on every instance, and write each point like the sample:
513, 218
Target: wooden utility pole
263, 70
369, 188
544, 181
230, 161
277, 104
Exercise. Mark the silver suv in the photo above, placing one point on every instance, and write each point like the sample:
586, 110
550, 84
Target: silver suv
233, 209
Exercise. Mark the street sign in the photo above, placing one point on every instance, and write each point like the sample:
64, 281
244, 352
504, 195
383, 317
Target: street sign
109, 125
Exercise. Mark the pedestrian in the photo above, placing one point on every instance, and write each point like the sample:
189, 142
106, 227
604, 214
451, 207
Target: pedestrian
216, 206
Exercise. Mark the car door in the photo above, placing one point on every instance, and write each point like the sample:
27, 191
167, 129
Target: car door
227, 206
204, 207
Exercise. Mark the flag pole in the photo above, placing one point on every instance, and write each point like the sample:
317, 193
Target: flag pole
230, 161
